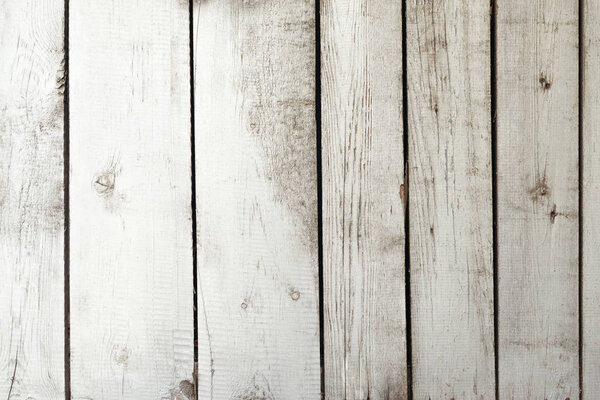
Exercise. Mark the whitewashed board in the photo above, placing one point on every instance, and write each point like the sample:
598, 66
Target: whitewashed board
363, 195
450, 199
130, 200
31, 199
537, 186
590, 192
258, 320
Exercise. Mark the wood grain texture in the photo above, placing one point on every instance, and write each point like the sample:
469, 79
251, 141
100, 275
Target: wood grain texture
131, 232
537, 153
449, 122
256, 199
590, 159
31, 200
363, 189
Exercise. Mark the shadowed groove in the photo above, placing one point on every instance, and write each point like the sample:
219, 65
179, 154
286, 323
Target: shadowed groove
193, 199
319, 190
494, 187
66, 199
409, 389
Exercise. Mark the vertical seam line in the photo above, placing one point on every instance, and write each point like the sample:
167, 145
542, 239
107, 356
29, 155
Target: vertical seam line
407, 295
193, 196
319, 192
66, 199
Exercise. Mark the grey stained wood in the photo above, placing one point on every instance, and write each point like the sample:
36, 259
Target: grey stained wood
363, 193
537, 155
590, 164
258, 314
132, 334
32, 79
450, 196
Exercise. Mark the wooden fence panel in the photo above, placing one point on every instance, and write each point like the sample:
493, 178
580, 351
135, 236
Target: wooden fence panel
258, 316
450, 199
363, 194
231, 155
590, 192
31, 199
130, 200
537, 186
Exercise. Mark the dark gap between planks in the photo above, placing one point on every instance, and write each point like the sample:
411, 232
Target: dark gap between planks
66, 199
580, 200
319, 191
407, 297
494, 187
193, 199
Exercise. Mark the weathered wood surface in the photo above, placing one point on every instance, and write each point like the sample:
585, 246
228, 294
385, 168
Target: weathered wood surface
450, 203
31, 200
363, 189
131, 226
590, 192
130, 200
258, 321
537, 165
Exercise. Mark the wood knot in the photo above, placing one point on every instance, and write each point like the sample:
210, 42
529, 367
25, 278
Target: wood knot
257, 389
553, 213
540, 190
187, 389
122, 355
104, 183
294, 294
544, 82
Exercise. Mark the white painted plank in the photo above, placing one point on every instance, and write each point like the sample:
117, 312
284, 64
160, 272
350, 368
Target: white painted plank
363, 189
131, 230
537, 153
451, 237
590, 158
31, 199
257, 199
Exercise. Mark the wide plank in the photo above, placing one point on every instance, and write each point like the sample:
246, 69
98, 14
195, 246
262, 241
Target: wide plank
258, 321
450, 199
537, 166
590, 192
32, 82
130, 189
363, 194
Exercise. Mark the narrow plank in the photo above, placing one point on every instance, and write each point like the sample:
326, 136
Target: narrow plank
537, 165
31, 200
131, 231
449, 123
363, 189
256, 199
590, 211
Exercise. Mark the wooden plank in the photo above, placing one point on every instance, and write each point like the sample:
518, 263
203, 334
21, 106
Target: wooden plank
258, 322
590, 217
363, 189
31, 199
131, 232
451, 254
537, 155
